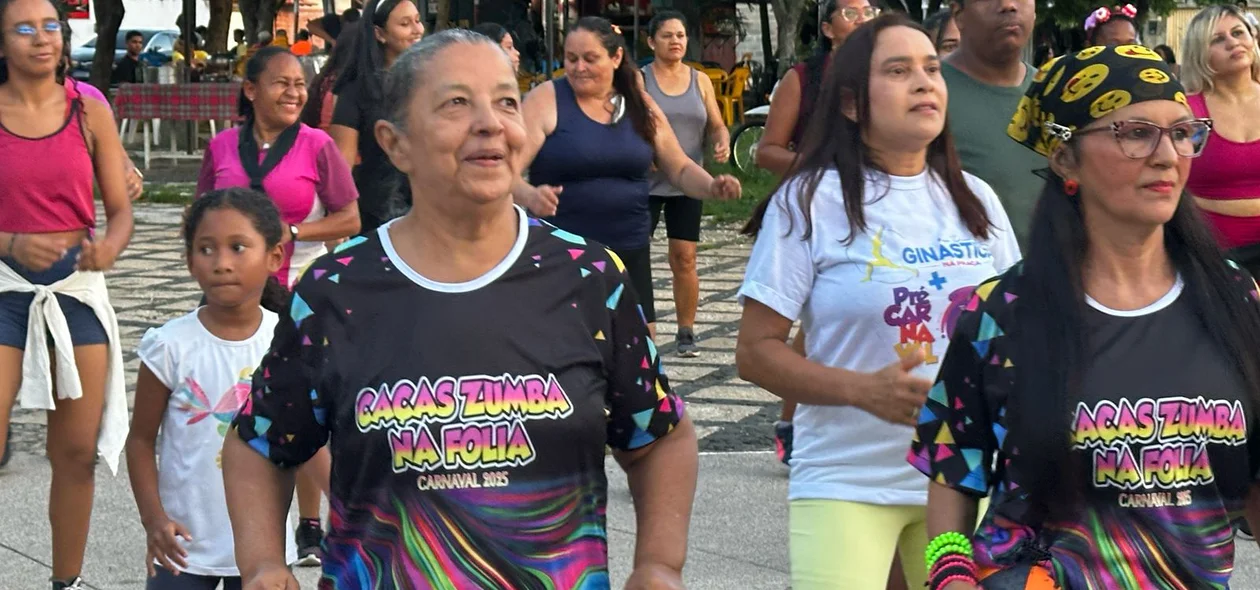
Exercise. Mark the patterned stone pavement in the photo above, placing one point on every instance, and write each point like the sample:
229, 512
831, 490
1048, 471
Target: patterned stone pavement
150, 285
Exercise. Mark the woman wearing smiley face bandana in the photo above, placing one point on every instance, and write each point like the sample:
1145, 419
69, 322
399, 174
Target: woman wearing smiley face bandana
1115, 356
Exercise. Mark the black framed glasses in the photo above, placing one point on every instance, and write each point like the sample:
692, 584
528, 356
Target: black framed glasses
1140, 139
851, 14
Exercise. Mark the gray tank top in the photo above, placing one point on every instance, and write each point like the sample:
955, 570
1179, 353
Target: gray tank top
688, 118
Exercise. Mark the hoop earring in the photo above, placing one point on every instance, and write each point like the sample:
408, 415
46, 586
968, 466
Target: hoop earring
1071, 187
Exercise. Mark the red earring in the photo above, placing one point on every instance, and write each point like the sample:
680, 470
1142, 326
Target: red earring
1070, 187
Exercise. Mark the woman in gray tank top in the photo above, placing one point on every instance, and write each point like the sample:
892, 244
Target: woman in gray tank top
689, 102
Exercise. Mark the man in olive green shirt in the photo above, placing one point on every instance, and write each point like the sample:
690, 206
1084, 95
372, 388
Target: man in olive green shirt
986, 78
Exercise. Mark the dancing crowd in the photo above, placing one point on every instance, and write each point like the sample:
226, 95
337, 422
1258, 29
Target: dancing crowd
1010, 309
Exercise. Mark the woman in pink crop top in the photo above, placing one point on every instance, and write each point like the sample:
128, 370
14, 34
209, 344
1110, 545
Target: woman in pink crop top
302, 171
53, 147
1225, 179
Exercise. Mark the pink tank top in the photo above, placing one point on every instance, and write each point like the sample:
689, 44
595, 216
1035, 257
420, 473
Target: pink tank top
1226, 169
38, 197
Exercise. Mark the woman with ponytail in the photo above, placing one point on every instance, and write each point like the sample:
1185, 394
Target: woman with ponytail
1103, 393
595, 134
387, 28
302, 172
54, 147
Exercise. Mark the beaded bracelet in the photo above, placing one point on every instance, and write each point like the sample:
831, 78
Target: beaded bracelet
964, 550
953, 570
958, 578
952, 561
945, 538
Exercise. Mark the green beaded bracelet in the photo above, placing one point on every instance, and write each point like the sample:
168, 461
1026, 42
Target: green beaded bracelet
948, 550
947, 537
951, 542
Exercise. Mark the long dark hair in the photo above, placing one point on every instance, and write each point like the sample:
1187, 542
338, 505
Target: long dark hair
829, 8
937, 23
263, 216
1049, 335
254, 69
343, 52
63, 65
495, 31
834, 142
625, 78
367, 68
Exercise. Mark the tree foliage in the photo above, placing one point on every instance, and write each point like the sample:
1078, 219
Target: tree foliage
109, 17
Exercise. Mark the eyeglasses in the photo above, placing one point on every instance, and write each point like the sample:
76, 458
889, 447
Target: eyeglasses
1139, 139
852, 14
26, 30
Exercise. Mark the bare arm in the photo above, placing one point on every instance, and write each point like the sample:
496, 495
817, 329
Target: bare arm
950, 510
151, 401
763, 356
719, 136
112, 180
773, 153
539, 112
347, 140
258, 496
338, 224
662, 478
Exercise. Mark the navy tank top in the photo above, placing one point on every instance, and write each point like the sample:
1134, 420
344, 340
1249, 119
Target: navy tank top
604, 172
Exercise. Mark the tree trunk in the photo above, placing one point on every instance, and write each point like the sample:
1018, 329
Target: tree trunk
443, 15
767, 47
220, 22
787, 15
257, 16
109, 17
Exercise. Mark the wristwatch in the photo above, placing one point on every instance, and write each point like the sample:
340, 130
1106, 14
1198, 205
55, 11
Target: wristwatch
293, 233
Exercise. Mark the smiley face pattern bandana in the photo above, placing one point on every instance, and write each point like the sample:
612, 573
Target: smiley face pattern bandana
1078, 89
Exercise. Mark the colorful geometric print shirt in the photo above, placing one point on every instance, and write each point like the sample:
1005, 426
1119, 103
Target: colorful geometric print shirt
1160, 431
467, 421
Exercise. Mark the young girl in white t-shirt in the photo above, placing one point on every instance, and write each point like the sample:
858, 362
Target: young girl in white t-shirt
194, 374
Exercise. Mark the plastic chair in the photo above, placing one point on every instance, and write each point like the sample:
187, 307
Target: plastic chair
719, 78
731, 96
559, 72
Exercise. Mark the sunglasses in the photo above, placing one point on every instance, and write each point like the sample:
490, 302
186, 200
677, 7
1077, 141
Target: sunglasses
852, 14
27, 30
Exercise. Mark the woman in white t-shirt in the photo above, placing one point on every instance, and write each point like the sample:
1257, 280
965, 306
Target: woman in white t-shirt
876, 245
194, 374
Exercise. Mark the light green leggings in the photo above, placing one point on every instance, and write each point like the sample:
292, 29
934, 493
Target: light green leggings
838, 545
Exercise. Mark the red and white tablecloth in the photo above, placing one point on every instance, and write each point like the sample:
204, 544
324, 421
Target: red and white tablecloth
177, 102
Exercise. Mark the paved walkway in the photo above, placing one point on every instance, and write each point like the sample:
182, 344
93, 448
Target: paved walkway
739, 530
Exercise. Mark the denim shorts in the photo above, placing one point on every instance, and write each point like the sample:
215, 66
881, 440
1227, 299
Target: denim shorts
15, 308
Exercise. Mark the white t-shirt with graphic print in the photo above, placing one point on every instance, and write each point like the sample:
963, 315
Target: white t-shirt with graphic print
897, 287
209, 379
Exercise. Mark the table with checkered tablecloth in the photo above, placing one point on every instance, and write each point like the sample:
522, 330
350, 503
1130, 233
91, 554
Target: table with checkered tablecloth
146, 103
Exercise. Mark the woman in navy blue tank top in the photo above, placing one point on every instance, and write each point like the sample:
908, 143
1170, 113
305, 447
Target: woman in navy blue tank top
594, 134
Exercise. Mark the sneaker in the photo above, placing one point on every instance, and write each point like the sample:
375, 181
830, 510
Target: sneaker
309, 537
687, 343
6, 453
1244, 531
783, 441
75, 583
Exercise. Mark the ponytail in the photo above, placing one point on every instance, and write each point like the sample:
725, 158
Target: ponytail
625, 78
275, 298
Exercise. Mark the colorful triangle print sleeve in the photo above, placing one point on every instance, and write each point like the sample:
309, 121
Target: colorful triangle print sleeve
284, 417
955, 439
641, 407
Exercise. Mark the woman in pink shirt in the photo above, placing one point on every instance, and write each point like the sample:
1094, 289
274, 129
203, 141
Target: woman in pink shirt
301, 170
297, 166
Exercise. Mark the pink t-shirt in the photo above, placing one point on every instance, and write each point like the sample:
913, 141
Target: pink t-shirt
310, 181
90, 91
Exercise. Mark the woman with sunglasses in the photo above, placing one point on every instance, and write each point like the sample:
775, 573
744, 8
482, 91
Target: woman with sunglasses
1103, 392
55, 146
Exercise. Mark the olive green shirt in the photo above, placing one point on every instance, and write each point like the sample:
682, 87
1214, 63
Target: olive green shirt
978, 117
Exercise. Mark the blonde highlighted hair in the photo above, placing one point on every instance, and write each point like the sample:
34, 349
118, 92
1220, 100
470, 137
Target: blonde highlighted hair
1196, 73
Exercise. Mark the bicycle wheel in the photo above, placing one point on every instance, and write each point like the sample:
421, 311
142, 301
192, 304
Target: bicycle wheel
744, 146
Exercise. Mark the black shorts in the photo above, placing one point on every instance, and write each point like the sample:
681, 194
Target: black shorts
682, 216
638, 263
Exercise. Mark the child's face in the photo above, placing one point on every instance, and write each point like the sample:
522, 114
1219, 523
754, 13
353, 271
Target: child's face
230, 259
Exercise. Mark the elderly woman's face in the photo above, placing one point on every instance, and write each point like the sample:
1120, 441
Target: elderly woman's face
1128, 189
464, 132
587, 64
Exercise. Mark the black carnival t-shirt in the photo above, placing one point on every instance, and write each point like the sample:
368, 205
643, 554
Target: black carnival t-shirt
1161, 430
383, 191
467, 421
